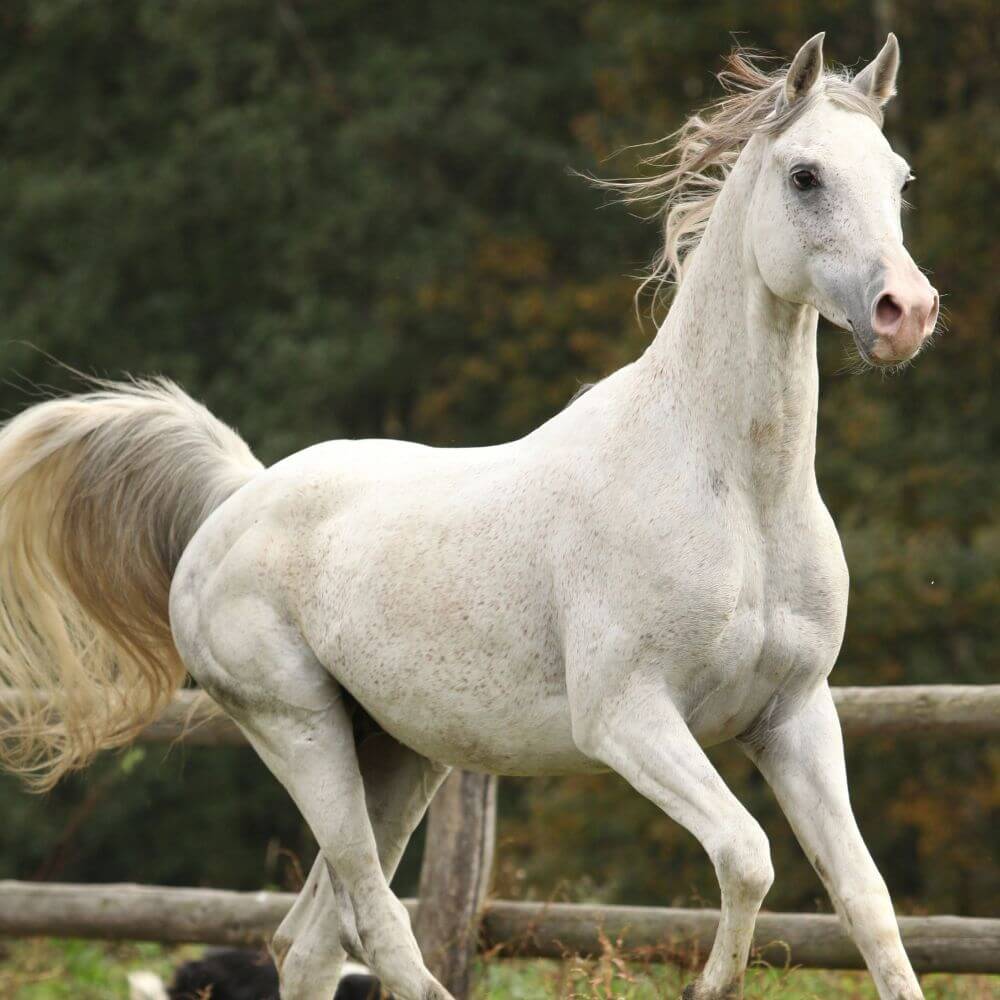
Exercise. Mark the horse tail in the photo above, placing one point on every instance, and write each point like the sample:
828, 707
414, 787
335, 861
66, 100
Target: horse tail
99, 495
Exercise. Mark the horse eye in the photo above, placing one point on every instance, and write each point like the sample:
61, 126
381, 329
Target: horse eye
805, 179
909, 180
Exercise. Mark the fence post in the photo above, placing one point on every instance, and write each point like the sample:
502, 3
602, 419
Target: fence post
454, 879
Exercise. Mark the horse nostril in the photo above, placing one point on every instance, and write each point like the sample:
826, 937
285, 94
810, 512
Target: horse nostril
888, 313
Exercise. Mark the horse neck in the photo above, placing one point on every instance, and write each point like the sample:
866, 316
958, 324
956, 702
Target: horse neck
733, 363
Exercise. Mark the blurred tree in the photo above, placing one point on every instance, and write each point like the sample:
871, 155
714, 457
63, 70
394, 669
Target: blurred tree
349, 219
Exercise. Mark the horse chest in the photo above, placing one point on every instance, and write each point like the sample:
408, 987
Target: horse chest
780, 638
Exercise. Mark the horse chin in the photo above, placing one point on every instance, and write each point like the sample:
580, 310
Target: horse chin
871, 360
864, 351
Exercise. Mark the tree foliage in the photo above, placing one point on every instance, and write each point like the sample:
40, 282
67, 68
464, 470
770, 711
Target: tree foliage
356, 219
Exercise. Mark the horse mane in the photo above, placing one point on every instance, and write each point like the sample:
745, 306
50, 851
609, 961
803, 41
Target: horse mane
689, 173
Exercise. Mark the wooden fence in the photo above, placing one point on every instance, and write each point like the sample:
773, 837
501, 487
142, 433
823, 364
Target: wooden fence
950, 710
453, 917
536, 930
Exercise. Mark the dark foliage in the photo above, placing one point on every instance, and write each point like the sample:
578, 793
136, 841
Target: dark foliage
356, 219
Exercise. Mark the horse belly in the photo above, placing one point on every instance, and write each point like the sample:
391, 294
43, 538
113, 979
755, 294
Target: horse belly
450, 647
467, 734
495, 716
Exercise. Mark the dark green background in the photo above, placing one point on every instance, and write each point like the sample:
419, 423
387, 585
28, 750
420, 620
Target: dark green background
348, 218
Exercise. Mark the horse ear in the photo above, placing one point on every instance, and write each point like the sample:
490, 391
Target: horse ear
806, 69
878, 79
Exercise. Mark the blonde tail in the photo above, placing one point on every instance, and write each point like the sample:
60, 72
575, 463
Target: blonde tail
99, 495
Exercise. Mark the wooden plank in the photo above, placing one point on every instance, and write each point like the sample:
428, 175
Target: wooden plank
194, 719
191, 718
938, 710
455, 877
123, 912
534, 930
953, 710
934, 944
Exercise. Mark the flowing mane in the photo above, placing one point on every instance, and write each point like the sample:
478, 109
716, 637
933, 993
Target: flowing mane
690, 172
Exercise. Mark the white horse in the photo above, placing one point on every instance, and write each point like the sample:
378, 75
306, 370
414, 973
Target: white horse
651, 572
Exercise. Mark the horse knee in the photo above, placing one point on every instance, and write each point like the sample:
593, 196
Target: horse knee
743, 863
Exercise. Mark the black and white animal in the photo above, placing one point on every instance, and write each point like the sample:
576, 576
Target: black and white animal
240, 974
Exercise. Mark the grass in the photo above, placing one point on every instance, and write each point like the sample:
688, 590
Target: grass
599, 980
48, 969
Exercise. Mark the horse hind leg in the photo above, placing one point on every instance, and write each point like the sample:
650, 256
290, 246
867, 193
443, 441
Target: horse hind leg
293, 713
399, 785
313, 755
306, 947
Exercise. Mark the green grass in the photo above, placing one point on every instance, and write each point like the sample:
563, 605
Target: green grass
47, 969
598, 980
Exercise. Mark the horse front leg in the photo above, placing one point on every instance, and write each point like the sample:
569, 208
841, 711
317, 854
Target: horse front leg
634, 728
803, 761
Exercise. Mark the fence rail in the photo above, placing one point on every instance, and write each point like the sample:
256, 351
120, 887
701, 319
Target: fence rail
939, 709
530, 930
951, 710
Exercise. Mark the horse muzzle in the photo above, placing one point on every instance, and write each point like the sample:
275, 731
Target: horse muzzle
903, 315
